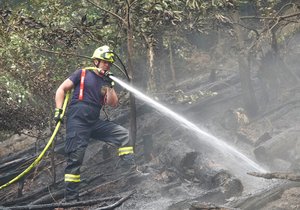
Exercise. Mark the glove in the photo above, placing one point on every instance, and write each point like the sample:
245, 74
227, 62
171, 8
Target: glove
106, 77
57, 115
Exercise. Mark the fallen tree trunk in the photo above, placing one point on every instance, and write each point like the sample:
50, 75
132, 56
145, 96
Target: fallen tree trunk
190, 164
260, 199
277, 175
279, 146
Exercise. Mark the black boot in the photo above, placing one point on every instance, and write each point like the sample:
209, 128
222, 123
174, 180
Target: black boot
127, 163
71, 192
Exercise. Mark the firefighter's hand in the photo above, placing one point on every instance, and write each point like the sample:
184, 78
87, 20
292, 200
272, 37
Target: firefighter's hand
107, 78
57, 115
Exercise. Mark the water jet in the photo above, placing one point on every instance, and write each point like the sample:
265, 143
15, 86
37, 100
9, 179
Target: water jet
215, 142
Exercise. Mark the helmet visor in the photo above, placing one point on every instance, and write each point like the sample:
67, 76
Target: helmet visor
108, 56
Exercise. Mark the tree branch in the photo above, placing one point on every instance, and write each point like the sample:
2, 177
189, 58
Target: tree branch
64, 53
291, 15
105, 10
283, 7
132, 3
277, 175
112, 206
272, 18
257, 17
76, 55
75, 204
250, 29
128, 13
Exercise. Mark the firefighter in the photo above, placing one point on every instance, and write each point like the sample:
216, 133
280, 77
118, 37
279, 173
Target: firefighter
92, 88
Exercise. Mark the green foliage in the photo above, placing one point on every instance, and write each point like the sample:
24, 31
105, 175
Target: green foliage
39, 40
14, 90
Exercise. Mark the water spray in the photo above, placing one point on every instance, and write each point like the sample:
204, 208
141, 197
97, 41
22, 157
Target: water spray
207, 137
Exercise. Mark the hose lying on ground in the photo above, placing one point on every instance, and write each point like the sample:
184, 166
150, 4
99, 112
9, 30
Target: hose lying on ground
38, 159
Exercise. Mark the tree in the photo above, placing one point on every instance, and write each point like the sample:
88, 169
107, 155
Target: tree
252, 40
49, 36
33, 35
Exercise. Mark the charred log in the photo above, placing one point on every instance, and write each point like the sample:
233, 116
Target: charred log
180, 156
214, 177
259, 200
281, 146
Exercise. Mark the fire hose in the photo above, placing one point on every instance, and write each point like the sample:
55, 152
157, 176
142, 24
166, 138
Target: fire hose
38, 159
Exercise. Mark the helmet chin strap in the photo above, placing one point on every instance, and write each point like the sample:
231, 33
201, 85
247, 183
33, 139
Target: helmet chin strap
97, 64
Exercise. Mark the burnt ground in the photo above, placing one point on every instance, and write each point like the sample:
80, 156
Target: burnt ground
179, 168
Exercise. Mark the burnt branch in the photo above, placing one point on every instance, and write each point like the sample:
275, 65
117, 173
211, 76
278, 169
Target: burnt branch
119, 201
277, 175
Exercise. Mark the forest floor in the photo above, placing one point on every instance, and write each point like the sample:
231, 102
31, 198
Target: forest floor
181, 166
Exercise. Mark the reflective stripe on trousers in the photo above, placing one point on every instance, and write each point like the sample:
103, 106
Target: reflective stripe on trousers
72, 178
125, 150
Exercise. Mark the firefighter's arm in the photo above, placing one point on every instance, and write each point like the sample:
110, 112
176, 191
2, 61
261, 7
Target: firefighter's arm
61, 91
111, 97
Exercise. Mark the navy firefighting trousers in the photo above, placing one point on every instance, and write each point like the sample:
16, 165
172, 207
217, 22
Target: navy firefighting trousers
83, 123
